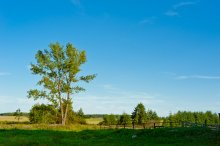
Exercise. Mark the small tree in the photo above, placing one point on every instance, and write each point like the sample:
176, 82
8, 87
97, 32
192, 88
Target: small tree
151, 115
109, 119
59, 68
112, 119
139, 115
80, 113
125, 119
18, 114
106, 120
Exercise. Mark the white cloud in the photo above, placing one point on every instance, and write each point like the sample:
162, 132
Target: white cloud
114, 100
174, 10
108, 87
184, 4
150, 20
184, 77
11, 104
171, 13
112, 103
78, 6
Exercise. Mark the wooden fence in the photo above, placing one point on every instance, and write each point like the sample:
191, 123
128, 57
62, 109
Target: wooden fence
154, 125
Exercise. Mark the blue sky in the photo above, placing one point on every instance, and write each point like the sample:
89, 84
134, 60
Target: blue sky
164, 54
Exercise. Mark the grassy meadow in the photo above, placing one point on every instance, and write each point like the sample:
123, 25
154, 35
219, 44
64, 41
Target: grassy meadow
23, 133
65, 136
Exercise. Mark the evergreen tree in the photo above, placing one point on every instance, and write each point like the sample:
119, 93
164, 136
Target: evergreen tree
139, 114
80, 113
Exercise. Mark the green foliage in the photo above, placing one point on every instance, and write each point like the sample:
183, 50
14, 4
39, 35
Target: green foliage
110, 119
81, 113
151, 115
195, 117
139, 115
94, 115
125, 119
41, 113
59, 68
74, 117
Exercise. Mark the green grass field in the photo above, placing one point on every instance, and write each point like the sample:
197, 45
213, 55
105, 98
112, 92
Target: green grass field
72, 136
19, 133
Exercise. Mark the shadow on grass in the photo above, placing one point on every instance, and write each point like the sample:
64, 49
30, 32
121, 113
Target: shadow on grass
180, 136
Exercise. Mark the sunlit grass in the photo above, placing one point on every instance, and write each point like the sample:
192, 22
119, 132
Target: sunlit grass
72, 127
94, 121
13, 119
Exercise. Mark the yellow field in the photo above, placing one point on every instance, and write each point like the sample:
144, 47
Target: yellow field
13, 119
94, 121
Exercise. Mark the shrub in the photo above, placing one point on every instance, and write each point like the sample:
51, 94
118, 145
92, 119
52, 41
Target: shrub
41, 113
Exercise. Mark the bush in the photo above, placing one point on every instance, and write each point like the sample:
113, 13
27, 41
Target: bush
75, 118
45, 114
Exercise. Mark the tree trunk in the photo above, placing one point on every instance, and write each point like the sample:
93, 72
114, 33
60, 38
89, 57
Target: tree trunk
62, 115
66, 110
65, 115
61, 104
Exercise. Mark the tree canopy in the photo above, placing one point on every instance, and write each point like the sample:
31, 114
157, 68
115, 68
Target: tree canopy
58, 68
139, 115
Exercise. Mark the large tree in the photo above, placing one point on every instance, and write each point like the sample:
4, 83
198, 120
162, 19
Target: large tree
58, 68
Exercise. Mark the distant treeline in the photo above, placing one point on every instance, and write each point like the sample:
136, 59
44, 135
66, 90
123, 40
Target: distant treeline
139, 116
97, 115
13, 114
194, 117
27, 114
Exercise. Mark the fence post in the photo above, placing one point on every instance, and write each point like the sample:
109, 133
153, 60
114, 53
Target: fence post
154, 125
182, 124
171, 124
205, 123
